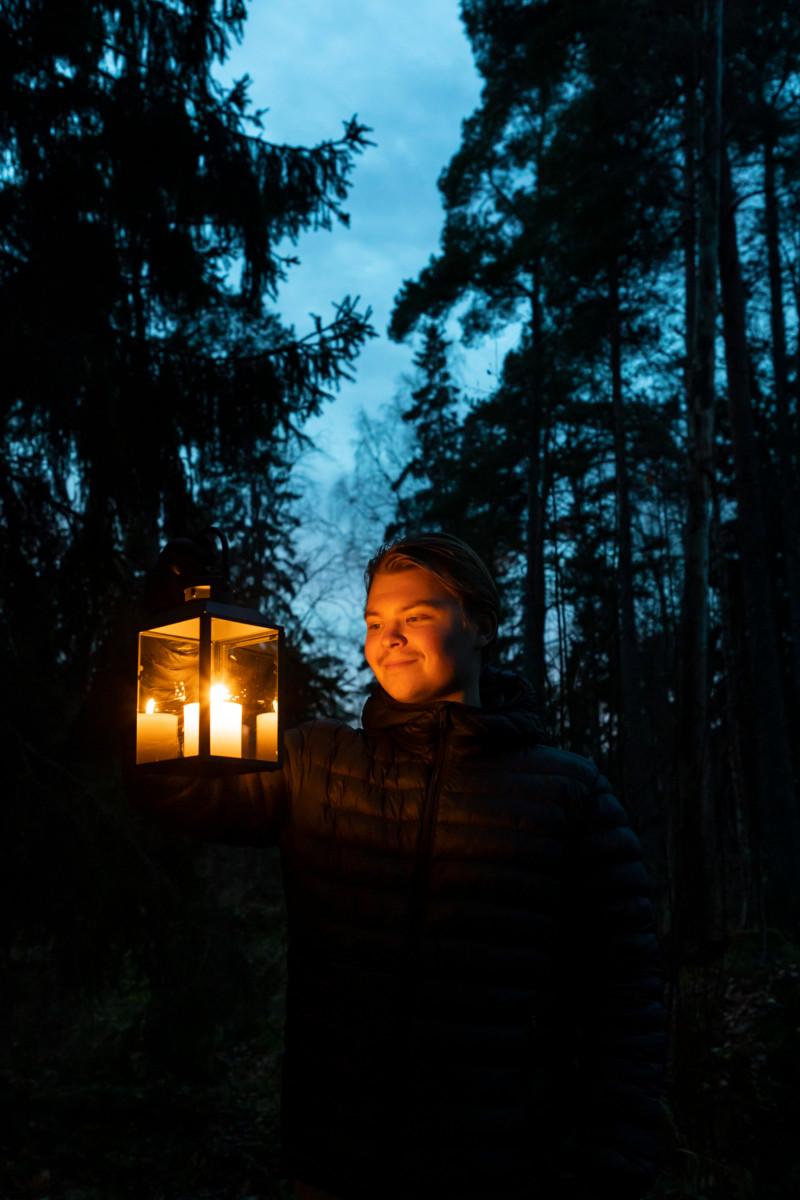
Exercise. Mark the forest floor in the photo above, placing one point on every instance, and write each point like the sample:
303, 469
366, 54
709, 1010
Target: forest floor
735, 1125
125, 1093
160, 1141
159, 1079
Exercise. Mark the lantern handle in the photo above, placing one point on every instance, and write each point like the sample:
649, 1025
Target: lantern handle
187, 563
214, 534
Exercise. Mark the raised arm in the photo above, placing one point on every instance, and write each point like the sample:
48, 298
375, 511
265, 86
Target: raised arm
619, 1007
236, 809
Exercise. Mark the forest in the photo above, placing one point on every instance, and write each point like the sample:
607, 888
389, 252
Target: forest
625, 202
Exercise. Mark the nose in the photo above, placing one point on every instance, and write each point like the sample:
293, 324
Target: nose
392, 636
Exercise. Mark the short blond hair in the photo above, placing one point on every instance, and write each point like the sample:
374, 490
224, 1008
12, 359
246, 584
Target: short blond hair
455, 564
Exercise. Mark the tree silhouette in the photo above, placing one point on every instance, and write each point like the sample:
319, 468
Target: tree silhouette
622, 200
150, 388
149, 383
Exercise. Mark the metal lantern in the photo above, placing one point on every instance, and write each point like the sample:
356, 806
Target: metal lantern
208, 695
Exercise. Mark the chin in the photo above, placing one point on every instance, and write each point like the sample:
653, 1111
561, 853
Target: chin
410, 694
404, 693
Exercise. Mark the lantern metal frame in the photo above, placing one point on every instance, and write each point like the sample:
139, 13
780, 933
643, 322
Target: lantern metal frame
204, 763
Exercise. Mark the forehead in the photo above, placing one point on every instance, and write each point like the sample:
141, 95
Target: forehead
397, 588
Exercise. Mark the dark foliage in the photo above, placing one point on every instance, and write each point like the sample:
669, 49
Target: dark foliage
149, 389
644, 529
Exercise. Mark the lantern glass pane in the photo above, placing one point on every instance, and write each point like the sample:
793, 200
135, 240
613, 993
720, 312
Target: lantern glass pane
244, 690
169, 684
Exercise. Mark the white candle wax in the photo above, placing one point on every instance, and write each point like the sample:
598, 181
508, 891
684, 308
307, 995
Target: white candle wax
267, 736
191, 729
226, 728
156, 736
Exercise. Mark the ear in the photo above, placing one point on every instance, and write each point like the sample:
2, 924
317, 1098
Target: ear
487, 629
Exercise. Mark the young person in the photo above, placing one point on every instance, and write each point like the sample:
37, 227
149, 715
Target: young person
474, 1001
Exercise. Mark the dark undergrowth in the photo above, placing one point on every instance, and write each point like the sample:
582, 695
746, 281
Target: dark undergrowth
734, 1128
147, 1067
160, 1080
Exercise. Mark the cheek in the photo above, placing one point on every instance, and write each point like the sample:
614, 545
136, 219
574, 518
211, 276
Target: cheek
452, 645
437, 643
372, 650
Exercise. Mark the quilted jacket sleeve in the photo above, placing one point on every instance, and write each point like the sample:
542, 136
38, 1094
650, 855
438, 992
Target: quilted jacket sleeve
620, 1016
235, 809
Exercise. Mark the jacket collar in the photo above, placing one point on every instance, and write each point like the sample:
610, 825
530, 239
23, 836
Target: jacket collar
508, 716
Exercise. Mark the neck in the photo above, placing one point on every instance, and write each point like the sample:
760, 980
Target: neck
470, 694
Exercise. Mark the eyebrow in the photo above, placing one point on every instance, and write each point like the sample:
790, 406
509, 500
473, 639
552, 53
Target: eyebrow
374, 612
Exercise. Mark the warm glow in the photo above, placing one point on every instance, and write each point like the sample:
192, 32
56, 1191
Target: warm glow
156, 734
267, 734
226, 725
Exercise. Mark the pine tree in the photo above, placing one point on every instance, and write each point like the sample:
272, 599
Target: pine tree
427, 480
566, 112
591, 207
150, 386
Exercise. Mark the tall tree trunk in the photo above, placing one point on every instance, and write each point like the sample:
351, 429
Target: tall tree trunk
584, 727
178, 507
778, 816
789, 500
138, 491
636, 784
795, 275
696, 910
697, 896
747, 909
534, 616
691, 146
668, 524
558, 594
535, 596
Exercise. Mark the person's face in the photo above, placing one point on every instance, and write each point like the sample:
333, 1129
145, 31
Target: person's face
419, 643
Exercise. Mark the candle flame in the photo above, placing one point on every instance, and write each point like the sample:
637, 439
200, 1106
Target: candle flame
219, 692
150, 706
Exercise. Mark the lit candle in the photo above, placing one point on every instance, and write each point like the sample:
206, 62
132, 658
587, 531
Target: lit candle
267, 735
156, 734
191, 729
226, 725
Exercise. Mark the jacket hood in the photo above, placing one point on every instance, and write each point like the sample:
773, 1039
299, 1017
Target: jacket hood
508, 716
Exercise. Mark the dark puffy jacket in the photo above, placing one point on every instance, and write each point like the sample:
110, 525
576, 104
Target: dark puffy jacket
474, 1001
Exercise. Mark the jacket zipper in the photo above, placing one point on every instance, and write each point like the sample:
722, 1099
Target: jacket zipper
431, 808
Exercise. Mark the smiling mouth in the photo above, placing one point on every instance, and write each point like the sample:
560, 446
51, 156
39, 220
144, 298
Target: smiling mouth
399, 662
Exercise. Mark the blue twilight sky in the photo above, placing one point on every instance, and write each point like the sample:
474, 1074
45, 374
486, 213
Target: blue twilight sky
406, 70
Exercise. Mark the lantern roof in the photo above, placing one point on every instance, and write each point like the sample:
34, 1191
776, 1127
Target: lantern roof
191, 609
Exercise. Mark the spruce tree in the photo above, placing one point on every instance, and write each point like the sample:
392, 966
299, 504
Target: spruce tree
428, 477
150, 386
